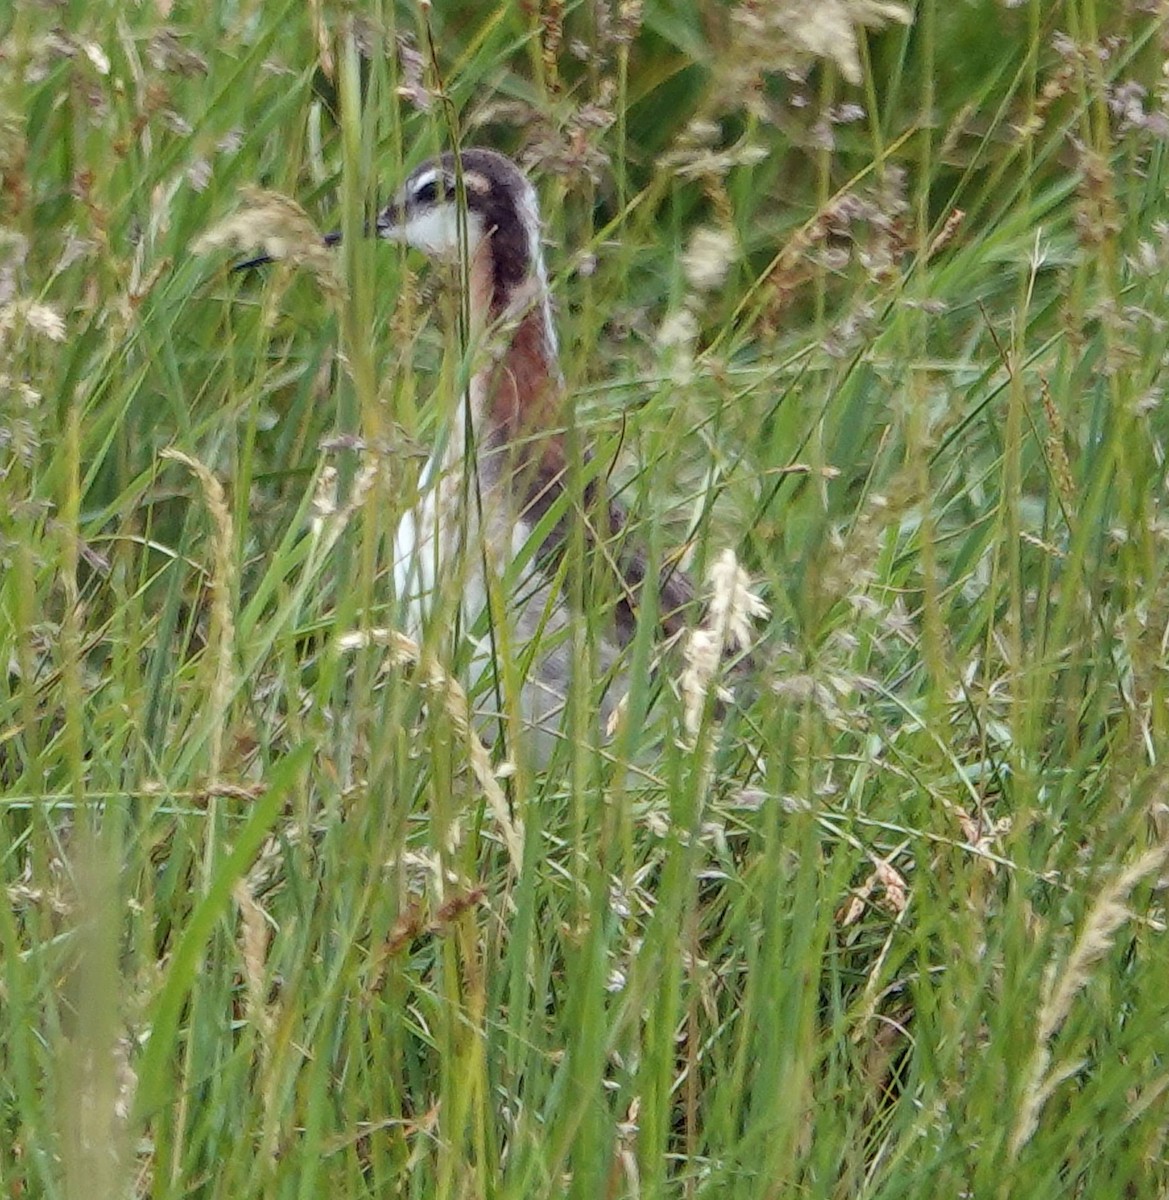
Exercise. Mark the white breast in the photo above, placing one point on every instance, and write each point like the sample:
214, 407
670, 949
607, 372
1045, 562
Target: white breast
441, 551
436, 568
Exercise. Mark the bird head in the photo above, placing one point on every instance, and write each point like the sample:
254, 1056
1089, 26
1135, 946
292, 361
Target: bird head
499, 206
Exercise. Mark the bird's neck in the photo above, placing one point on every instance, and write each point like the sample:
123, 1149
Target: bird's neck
517, 388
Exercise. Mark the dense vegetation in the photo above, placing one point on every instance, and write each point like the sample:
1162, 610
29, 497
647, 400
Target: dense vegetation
881, 309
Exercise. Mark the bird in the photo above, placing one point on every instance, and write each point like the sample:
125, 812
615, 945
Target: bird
497, 508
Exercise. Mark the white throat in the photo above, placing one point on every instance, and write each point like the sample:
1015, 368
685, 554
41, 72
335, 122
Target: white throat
435, 231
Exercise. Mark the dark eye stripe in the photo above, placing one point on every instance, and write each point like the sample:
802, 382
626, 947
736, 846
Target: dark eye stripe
427, 194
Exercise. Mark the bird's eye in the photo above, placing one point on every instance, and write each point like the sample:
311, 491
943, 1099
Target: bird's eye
427, 193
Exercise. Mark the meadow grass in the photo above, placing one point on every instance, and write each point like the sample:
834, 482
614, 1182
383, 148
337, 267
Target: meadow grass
888, 319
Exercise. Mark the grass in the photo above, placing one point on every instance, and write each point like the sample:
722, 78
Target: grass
893, 928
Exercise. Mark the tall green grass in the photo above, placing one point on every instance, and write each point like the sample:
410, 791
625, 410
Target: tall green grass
892, 927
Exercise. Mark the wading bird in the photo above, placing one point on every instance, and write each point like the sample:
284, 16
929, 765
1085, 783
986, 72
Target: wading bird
498, 508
